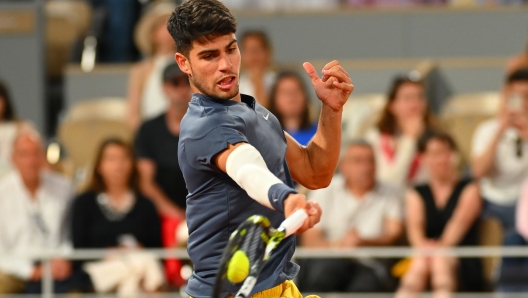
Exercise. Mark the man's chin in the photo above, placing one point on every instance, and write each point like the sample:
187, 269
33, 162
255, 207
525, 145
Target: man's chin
226, 95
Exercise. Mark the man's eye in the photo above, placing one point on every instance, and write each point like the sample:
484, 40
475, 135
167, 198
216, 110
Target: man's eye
231, 50
208, 57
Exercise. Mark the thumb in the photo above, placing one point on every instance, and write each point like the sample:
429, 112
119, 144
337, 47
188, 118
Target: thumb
310, 70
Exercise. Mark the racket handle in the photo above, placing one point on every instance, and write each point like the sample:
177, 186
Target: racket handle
294, 222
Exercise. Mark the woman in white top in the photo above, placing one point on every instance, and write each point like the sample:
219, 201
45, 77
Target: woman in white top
403, 121
145, 94
256, 78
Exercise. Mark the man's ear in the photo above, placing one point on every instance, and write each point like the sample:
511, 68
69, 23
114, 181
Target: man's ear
183, 63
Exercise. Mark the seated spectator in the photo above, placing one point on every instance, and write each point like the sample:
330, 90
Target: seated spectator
518, 62
289, 102
358, 211
146, 98
514, 271
9, 126
404, 119
33, 207
256, 78
156, 146
441, 213
113, 214
499, 156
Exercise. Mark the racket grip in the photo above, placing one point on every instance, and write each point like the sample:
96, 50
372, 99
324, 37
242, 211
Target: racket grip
294, 222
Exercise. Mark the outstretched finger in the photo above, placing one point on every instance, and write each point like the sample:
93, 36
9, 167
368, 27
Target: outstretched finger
310, 70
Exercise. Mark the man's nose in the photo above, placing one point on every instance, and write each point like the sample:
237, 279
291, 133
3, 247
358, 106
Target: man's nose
225, 63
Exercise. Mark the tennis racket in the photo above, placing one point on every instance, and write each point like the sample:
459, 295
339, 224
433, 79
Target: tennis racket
256, 239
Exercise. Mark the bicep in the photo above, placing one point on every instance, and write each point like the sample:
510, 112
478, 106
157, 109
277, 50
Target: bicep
220, 159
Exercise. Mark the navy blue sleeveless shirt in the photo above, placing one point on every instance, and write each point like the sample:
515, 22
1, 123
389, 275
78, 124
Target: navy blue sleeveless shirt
216, 205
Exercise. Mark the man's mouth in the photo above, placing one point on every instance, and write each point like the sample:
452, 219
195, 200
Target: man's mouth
226, 83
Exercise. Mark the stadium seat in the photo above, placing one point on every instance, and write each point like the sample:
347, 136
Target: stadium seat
109, 108
491, 234
66, 21
462, 114
360, 113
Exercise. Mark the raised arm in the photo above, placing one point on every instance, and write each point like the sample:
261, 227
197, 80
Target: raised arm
313, 166
465, 214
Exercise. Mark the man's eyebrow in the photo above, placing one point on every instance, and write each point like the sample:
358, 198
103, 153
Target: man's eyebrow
231, 43
207, 52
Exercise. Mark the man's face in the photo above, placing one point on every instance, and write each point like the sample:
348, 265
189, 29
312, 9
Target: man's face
178, 90
519, 88
358, 165
213, 67
28, 157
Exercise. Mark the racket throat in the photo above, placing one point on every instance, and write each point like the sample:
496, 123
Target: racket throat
246, 288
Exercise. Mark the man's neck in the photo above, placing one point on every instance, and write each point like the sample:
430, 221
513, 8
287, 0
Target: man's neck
32, 186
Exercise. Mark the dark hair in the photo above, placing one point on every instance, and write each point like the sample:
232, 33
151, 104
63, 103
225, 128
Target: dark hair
305, 117
438, 135
520, 75
97, 183
260, 35
9, 111
199, 21
387, 123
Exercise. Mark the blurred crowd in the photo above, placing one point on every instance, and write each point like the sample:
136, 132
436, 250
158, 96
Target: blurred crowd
402, 183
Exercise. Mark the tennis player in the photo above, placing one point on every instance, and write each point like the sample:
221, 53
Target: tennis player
235, 157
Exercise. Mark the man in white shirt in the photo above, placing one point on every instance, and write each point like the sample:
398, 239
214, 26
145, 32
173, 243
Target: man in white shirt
358, 211
499, 152
33, 206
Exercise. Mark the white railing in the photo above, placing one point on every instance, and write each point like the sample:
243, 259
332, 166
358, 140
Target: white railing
301, 253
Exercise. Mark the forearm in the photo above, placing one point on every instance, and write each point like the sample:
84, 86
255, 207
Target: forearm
454, 232
483, 164
323, 149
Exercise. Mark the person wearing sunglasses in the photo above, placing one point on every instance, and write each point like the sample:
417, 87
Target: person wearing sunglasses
156, 146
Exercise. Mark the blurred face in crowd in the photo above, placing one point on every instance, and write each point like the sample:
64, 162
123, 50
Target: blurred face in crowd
178, 91
255, 55
358, 165
519, 88
116, 166
161, 38
28, 157
409, 102
213, 66
290, 100
440, 159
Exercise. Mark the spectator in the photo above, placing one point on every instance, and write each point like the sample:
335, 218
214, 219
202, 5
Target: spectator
157, 148
441, 213
33, 205
358, 212
518, 62
9, 126
256, 78
514, 271
117, 45
145, 93
289, 102
499, 157
404, 119
113, 214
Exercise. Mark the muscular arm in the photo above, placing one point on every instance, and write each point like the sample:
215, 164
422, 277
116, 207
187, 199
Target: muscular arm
465, 214
313, 166
151, 189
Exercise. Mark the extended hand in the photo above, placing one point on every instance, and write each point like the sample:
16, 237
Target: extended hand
334, 88
295, 202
